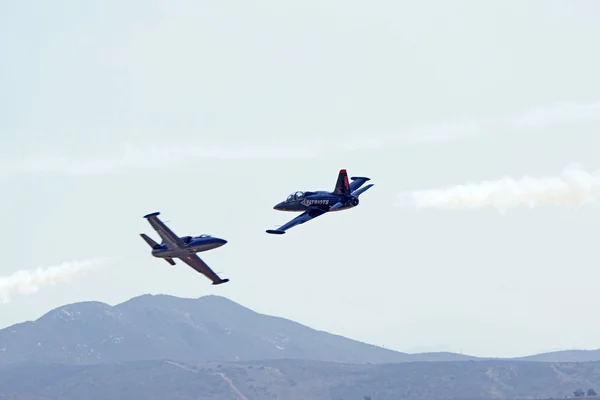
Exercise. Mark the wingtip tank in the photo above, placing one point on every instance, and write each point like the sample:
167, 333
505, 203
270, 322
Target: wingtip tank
154, 214
275, 231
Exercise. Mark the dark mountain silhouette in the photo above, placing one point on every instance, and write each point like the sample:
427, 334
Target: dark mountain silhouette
158, 327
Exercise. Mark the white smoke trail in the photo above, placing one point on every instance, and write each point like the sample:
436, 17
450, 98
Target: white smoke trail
27, 282
574, 187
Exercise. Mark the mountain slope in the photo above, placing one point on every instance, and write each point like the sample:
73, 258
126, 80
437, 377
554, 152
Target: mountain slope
298, 380
564, 356
165, 327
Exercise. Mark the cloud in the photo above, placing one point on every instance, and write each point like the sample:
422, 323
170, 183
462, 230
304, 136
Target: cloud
147, 156
153, 156
27, 282
558, 113
537, 118
573, 187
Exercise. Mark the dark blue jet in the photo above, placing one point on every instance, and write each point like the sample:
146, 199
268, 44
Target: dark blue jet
184, 248
314, 204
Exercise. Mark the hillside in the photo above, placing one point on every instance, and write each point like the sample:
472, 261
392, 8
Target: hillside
564, 356
298, 380
210, 328
165, 327
157, 347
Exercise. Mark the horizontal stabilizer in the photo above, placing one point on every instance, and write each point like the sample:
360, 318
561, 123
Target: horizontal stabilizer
149, 240
362, 190
358, 181
220, 281
275, 231
169, 260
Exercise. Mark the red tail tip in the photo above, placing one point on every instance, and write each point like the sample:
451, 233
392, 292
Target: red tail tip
342, 171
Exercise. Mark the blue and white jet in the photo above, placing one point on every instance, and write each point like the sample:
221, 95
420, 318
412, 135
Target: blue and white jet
184, 248
313, 204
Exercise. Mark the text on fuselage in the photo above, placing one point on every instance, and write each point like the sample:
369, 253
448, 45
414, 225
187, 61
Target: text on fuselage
307, 202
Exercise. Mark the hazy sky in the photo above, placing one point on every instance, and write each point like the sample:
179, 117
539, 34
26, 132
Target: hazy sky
211, 112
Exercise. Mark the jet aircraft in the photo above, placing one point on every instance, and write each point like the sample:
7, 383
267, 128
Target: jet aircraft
314, 204
184, 248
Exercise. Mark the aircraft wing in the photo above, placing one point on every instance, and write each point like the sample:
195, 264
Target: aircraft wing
306, 216
169, 238
196, 262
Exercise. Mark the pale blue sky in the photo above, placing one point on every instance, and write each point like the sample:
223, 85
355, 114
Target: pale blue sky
213, 111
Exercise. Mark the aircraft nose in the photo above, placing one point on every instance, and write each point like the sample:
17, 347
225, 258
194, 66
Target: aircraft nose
220, 241
278, 206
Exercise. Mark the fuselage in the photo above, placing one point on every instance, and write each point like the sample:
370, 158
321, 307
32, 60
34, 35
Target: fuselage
300, 201
192, 245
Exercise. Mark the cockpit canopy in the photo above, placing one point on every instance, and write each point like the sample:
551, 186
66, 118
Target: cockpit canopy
188, 239
295, 197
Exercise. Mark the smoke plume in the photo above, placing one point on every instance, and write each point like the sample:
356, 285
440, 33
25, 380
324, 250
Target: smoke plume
26, 282
574, 187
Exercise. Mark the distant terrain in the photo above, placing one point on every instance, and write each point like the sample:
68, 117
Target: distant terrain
162, 346
298, 380
160, 327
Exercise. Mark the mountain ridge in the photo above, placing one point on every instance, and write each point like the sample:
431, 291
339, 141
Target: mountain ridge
150, 327
208, 328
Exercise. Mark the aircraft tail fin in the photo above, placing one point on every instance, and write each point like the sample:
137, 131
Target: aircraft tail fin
342, 186
150, 241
